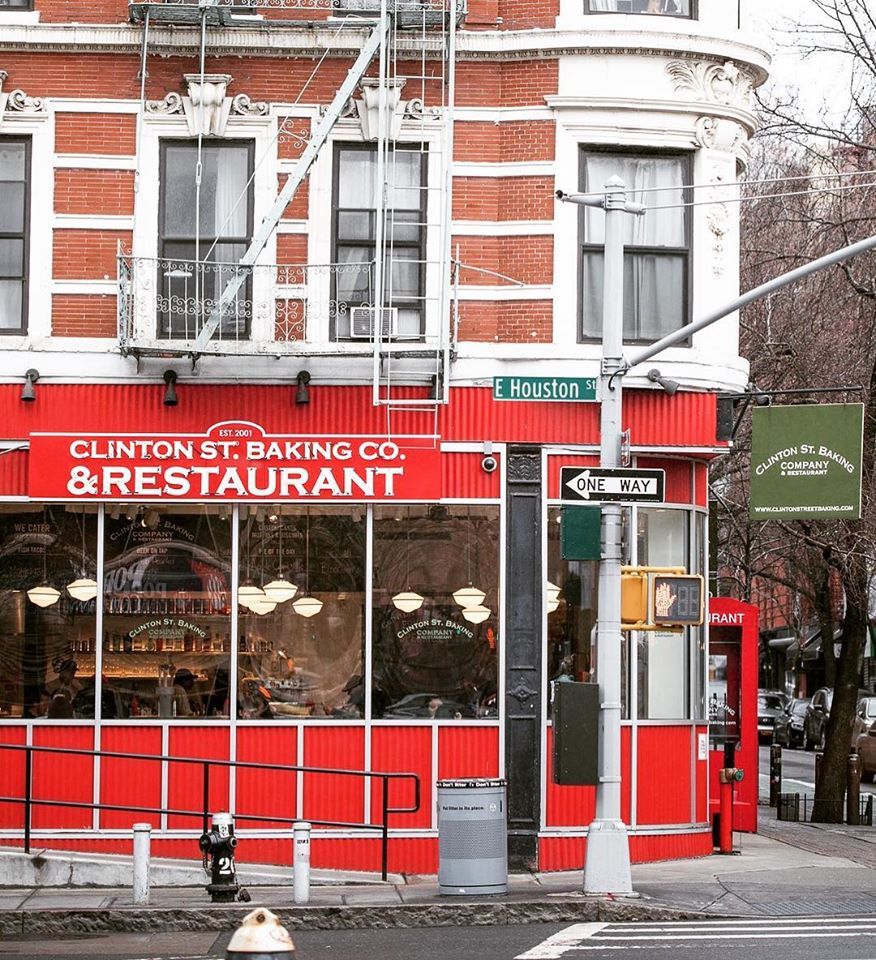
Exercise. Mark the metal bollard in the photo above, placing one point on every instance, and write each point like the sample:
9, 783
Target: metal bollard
818, 759
853, 790
775, 774
301, 862
261, 937
142, 851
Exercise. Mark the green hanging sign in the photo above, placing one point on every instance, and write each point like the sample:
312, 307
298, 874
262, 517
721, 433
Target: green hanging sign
579, 532
806, 462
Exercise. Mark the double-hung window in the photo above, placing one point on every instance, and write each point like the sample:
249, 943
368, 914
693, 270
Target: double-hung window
666, 8
354, 240
202, 235
14, 167
656, 245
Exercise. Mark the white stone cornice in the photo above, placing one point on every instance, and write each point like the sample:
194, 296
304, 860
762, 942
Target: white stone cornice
636, 106
285, 42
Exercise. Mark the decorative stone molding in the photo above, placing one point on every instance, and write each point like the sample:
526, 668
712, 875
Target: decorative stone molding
715, 133
206, 108
718, 217
19, 103
726, 83
367, 108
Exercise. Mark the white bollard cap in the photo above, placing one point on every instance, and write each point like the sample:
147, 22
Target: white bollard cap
261, 935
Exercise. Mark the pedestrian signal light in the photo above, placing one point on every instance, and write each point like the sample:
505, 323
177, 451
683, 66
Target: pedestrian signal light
634, 599
676, 600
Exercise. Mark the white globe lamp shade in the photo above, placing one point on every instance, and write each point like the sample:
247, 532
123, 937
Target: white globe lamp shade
262, 605
407, 601
476, 614
84, 589
43, 595
280, 590
469, 596
307, 606
553, 592
248, 593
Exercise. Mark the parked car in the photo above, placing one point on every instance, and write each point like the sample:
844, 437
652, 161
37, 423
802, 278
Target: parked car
866, 747
865, 714
770, 704
815, 721
789, 723
817, 715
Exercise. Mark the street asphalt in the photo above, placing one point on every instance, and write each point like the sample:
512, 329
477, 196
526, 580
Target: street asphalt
798, 772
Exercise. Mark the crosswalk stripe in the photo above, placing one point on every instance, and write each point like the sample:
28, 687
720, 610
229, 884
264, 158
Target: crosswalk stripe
786, 926
731, 921
828, 932
554, 947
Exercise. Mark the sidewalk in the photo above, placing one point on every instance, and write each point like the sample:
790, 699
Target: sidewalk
776, 874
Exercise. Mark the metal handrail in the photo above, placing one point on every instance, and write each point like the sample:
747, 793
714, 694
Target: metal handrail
29, 801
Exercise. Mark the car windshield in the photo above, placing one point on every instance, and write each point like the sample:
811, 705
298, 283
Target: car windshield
770, 703
798, 707
870, 708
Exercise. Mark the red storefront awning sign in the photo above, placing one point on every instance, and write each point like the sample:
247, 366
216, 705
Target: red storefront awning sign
233, 460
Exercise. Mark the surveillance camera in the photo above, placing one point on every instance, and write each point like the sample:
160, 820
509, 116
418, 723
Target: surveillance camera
489, 464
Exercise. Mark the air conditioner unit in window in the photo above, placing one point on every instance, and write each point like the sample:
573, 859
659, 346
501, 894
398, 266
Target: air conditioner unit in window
362, 322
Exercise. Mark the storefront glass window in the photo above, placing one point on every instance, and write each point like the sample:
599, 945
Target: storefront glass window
304, 656
435, 657
48, 641
167, 604
571, 618
663, 661
698, 634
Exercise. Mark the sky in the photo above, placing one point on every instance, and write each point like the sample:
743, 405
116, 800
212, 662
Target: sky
819, 80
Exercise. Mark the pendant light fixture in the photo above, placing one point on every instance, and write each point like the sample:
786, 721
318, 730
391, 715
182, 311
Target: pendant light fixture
469, 596
248, 592
280, 590
476, 614
43, 595
552, 591
407, 601
84, 588
307, 606
261, 605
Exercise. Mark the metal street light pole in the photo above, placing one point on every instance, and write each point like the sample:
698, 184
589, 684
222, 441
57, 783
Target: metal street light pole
607, 862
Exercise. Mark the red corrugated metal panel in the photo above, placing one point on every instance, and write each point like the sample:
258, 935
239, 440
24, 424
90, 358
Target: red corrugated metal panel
466, 751
561, 853
59, 777
555, 463
679, 483
13, 474
266, 793
687, 419
130, 782
670, 846
701, 484
463, 476
566, 806
328, 797
185, 780
702, 806
12, 763
403, 750
664, 771
626, 773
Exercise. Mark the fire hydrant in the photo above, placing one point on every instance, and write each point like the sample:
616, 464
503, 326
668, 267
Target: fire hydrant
261, 937
218, 846
727, 776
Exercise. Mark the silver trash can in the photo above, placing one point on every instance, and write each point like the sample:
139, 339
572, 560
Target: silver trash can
472, 837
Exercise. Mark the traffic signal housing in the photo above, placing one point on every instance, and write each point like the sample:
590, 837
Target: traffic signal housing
660, 598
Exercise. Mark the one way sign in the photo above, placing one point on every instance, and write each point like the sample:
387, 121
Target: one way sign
599, 485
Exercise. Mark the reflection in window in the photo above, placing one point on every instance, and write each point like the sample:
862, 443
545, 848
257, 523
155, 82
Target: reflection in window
663, 661
48, 647
304, 655
571, 622
167, 600
435, 655
670, 8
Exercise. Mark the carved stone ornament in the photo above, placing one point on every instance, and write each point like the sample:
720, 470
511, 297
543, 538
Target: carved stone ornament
713, 133
521, 692
718, 217
725, 83
524, 469
18, 103
367, 109
207, 108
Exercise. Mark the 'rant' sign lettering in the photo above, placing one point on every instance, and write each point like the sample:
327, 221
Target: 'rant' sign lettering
233, 461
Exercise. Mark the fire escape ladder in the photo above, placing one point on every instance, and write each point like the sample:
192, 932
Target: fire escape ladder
227, 298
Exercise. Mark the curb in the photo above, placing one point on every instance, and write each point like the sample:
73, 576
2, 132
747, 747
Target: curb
15, 923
